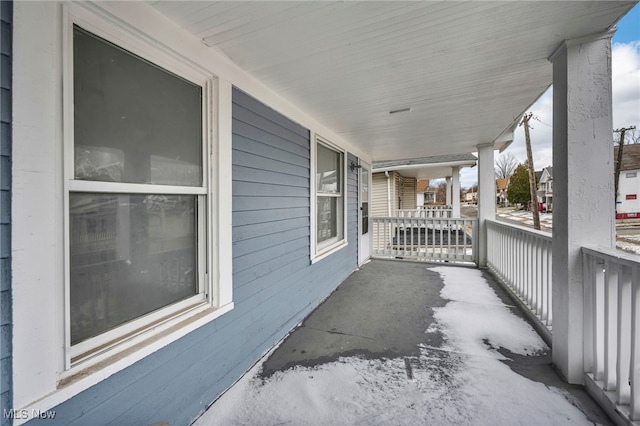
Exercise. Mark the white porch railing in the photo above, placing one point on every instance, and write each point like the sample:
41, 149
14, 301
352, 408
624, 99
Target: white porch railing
427, 212
421, 238
612, 326
522, 258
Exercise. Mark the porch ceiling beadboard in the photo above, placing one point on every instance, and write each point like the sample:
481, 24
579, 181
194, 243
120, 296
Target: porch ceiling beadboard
350, 63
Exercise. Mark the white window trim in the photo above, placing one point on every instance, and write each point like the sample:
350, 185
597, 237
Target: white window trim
319, 252
46, 376
118, 339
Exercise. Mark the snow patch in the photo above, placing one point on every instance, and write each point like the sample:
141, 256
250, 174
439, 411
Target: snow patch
628, 247
466, 381
475, 315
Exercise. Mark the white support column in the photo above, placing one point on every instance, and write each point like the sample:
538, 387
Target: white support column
583, 202
455, 191
448, 192
486, 198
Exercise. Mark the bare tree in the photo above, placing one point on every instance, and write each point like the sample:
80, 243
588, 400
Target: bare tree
441, 191
505, 165
632, 136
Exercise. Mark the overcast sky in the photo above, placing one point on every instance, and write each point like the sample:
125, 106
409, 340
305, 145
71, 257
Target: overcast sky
626, 100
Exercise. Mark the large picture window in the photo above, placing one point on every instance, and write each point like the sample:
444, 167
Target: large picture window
137, 195
329, 197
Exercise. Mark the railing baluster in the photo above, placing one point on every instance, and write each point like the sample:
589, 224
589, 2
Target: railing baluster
589, 347
539, 282
635, 344
610, 324
598, 315
623, 343
549, 286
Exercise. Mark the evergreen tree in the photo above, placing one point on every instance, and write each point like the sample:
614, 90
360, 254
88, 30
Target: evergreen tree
518, 190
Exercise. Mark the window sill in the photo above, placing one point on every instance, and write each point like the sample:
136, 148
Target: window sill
90, 376
328, 251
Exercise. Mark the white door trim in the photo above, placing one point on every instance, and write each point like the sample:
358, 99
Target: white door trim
364, 241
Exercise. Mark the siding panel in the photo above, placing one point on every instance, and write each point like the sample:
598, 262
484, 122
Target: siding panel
262, 244
379, 195
259, 203
249, 217
244, 115
259, 229
6, 319
408, 193
253, 189
253, 147
253, 133
258, 162
263, 176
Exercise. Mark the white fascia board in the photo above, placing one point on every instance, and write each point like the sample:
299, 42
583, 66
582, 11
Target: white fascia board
465, 163
151, 22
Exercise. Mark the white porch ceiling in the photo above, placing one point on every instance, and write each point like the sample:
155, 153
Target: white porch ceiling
467, 70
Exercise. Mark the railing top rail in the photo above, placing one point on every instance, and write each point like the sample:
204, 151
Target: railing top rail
612, 254
538, 234
438, 207
450, 219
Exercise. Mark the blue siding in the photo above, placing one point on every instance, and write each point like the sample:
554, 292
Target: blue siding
6, 21
275, 284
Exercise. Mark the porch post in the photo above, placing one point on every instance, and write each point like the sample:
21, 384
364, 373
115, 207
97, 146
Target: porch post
448, 203
455, 191
583, 205
486, 198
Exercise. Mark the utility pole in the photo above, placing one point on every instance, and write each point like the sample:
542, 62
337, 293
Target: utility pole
532, 172
622, 131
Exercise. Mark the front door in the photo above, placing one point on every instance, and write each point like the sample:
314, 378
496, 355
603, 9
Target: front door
364, 199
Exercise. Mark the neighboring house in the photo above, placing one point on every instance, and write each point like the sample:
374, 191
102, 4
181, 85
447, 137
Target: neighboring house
430, 196
501, 191
392, 192
404, 184
628, 200
471, 196
425, 195
182, 183
545, 188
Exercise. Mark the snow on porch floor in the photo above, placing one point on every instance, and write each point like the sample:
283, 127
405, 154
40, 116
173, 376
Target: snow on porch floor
407, 343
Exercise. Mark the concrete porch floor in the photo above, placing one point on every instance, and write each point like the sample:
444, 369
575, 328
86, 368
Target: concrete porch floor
382, 312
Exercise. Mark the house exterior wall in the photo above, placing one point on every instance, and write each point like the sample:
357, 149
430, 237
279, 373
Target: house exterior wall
402, 194
379, 207
275, 286
408, 193
6, 20
629, 198
274, 282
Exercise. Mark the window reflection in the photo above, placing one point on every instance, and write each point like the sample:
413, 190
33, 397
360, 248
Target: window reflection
130, 255
133, 119
328, 168
327, 214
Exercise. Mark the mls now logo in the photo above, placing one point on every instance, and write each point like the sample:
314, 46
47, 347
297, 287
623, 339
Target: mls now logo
26, 414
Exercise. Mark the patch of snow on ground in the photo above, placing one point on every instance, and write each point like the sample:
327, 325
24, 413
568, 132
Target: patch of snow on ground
475, 314
463, 382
